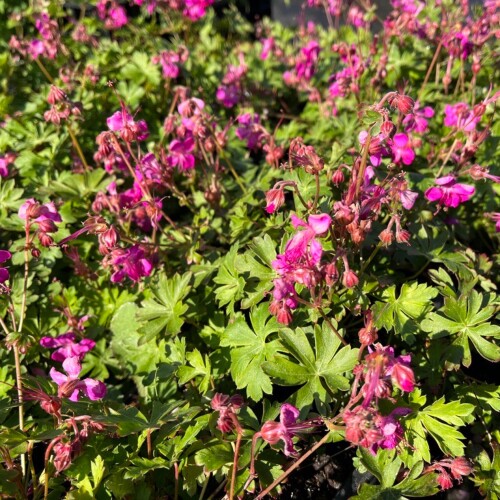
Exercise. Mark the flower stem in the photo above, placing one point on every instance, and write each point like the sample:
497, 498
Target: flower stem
235, 464
283, 476
78, 149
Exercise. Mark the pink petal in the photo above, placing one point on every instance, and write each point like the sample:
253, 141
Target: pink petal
58, 377
447, 179
400, 140
320, 223
408, 199
72, 366
115, 121
94, 389
434, 193
296, 222
288, 414
408, 155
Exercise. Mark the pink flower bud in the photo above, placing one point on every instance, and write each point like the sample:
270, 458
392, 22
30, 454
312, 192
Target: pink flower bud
45, 240
271, 432
275, 198
350, 280
403, 377
460, 466
55, 95
338, 177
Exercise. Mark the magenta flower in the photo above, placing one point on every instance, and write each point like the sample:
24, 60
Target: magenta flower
418, 120
460, 116
129, 129
191, 107
180, 153
66, 347
272, 432
366, 427
249, 129
267, 47
5, 161
4, 273
228, 95
196, 9
450, 193
70, 385
131, 262
32, 210
401, 149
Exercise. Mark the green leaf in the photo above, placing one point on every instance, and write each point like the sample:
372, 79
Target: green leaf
250, 348
320, 369
214, 457
466, 318
165, 310
256, 262
200, 366
231, 284
403, 312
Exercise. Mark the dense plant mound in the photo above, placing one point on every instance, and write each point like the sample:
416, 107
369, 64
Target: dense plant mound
227, 249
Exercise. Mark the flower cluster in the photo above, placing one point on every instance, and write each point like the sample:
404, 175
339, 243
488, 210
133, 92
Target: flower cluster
43, 216
71, 354
380, 372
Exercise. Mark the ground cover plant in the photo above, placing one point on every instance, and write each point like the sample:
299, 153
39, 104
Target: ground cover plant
230, 249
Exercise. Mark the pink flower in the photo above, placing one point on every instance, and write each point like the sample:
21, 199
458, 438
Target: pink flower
70, 385
32, 210
66, 347
5, 161
267, 47
196, 9
286, 428
408, 198
180, 153
228, 95
274, 198
401, 149
450, 193
191, 107
460, 116
4, 273
131, 262
417, 121
129, 129
226, 405
249, 129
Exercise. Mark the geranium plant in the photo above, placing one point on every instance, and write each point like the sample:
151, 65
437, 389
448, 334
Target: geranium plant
232, 248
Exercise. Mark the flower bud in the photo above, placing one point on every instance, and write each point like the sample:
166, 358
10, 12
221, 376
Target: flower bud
386, 237
350, 280
109, 238
338, 177
275, 198
35, 253
402, 376
55, 95
460, 466
271, 432
387, 127
45, 239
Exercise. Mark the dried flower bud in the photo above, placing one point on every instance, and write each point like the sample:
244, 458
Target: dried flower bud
402, 103
386, 237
